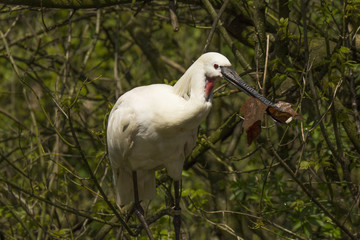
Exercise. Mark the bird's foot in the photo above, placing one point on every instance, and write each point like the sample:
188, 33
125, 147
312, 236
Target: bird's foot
140, 214
177, 222
138, 209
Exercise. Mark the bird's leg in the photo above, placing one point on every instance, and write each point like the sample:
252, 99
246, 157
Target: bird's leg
138, 209
136, 194
177, 215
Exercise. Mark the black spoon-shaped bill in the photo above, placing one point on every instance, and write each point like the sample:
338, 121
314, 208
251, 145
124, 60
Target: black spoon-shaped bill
231, 76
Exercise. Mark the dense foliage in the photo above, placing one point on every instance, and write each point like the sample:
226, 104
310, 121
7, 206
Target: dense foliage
61, 71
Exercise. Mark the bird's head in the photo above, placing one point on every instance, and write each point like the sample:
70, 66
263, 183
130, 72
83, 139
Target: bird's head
211, 66
212, 63
217, 65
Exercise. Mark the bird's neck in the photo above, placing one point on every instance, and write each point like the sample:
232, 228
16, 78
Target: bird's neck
191, 86
183, 86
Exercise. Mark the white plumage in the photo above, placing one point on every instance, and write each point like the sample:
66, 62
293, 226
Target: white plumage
155, 126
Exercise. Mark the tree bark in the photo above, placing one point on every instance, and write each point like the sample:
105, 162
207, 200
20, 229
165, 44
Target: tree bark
72, 4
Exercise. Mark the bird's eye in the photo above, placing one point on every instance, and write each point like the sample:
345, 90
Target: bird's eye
216, 66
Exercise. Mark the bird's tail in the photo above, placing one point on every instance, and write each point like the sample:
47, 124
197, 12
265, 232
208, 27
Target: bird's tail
124, 186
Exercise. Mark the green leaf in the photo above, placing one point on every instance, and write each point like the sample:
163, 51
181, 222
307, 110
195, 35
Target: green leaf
305, 164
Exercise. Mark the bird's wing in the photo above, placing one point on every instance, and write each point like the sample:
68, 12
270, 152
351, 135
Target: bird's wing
159, 109
120, 132
191, 142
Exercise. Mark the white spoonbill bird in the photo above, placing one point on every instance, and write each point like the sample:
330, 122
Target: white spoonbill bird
155, 126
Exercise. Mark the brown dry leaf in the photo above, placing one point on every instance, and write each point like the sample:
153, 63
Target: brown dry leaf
253, 131
283, 113
253, 113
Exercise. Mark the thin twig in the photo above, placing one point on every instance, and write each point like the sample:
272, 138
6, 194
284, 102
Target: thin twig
95, 40
263, 88
312, 198
173, 64
12, 25
173, 15
329, 107
14, 119
78, 146
31, 235
215, 23
62, 206
26, 84
226, 36
40, 32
